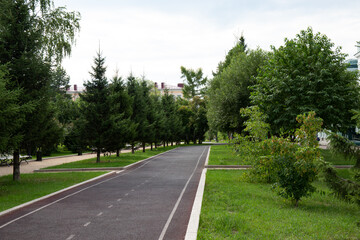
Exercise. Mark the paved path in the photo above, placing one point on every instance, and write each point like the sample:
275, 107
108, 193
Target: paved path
150, 201
46, 162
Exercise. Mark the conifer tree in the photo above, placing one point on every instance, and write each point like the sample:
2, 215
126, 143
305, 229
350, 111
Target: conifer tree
96, 107
33, 34
121, 112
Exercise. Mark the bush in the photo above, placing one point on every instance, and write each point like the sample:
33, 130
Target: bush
290, 165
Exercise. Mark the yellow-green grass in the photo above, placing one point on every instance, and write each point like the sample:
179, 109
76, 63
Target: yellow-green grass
113, 161
35, 185
235, 209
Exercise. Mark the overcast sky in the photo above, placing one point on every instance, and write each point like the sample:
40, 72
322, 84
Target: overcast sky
156, 37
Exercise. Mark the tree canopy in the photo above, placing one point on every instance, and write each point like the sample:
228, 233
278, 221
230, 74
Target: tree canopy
307, 74
229, 91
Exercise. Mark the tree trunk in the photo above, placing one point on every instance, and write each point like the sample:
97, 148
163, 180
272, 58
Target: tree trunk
164, 143
167, 143
79, 153
117, 152
98, 152
357, 164
172, 144
132, 148
38, 155
143, 145
16, 165
151, 146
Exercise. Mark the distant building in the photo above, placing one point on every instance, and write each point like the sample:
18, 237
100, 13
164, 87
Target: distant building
357, 54
173, 90
74, 91
353, 65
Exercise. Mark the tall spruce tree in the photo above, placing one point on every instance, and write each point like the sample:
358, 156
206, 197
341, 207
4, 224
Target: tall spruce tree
10, 115
96, 109
137, 91
32, 34
121, 112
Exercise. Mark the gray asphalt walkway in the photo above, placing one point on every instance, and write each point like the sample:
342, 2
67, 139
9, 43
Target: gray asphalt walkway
46, 162
150, 201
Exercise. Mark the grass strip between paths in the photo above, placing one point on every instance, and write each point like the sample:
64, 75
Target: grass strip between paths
35, 185
224, 155
113, 161
234, 209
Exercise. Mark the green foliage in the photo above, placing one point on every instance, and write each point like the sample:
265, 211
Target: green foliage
240, 47
96, 108
194, 82
10, 115
291, 166
304, 75
341, 145
256, 124
33, 34
342, 187
229, 91
122, 127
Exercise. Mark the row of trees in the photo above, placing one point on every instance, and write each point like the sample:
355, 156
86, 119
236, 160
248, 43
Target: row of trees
113, 114
36, 114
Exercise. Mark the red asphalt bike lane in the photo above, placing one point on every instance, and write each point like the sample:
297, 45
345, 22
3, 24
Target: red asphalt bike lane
152, 200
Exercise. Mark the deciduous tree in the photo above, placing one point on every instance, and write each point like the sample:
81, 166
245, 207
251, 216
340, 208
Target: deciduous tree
307, 74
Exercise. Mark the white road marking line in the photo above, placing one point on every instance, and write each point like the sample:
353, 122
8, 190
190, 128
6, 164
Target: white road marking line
47, 205
132, 190
87, 224
178, 201
100, 213
110, 206
126, 194
70, 237
119, 200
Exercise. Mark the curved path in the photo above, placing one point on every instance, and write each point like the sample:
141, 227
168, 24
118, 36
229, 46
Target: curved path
152, 200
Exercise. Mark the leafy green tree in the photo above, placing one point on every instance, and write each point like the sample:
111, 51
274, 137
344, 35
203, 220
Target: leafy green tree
96, 108
240, 47
304, 75
25, 30
229, 91
194, 82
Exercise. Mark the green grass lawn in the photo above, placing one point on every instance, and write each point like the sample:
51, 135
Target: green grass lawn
113, 161
224, 155
234, 209
336, 159
35, 185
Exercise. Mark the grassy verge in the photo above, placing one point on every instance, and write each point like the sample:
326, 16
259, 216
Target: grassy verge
113, 161
336, 159
234, 209
35, 185
224, 155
